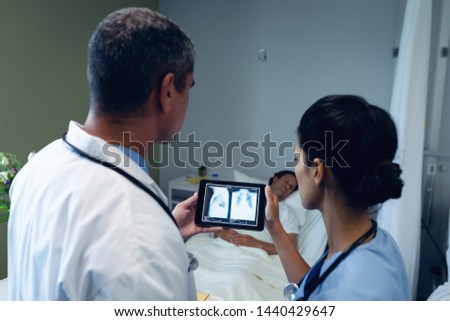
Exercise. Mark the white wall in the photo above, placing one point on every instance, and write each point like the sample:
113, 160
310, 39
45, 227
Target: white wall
314, 48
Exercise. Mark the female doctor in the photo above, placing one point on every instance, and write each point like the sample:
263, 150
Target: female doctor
345, 148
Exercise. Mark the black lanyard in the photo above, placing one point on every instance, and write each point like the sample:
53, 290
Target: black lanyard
132, 179
314, 277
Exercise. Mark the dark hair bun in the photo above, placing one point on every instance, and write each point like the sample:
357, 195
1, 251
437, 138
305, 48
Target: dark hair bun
358, 141
380, 184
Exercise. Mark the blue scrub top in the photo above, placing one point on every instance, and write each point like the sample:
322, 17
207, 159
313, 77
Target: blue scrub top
373, 271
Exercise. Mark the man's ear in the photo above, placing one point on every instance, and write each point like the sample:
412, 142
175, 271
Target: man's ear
167, 91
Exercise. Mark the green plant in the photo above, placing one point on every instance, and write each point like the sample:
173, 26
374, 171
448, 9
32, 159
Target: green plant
9, 167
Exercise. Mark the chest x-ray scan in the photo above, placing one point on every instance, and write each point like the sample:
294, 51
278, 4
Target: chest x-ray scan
231, 204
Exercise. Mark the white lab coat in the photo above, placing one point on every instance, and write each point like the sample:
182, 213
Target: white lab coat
80, 231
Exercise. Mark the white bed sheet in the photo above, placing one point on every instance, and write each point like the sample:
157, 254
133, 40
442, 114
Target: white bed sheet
236, 273
240, 273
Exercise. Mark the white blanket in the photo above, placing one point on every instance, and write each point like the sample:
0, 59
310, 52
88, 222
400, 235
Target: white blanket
241, 273
236, 273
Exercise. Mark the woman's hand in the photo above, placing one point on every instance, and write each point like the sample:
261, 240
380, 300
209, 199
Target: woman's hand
272, 211
184, 214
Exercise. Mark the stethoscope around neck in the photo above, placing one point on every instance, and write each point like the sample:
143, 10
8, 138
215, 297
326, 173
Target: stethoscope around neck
290, 290
193, 263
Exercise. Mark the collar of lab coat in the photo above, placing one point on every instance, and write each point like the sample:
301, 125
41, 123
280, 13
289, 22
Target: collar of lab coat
98, 148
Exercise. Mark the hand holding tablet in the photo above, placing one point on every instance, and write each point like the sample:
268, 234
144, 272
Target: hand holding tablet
231, 205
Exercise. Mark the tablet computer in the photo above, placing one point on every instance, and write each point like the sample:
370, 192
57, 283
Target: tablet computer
231, 204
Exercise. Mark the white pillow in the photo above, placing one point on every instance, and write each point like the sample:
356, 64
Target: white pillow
294, 204
312, 237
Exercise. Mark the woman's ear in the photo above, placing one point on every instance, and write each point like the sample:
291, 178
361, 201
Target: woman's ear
318, 169
166, 93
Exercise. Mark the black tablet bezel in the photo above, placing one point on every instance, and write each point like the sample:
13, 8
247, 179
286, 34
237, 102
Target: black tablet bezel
258, 224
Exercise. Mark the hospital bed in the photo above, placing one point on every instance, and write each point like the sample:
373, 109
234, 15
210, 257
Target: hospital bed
229, 272
240, 273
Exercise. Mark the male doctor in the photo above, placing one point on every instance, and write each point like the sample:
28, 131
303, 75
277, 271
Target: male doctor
87, 221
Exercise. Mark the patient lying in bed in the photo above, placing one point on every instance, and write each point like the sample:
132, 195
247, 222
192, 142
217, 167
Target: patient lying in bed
283, 184
247, 273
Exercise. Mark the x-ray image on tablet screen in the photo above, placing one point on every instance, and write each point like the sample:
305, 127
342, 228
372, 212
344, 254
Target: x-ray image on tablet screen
231, 204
